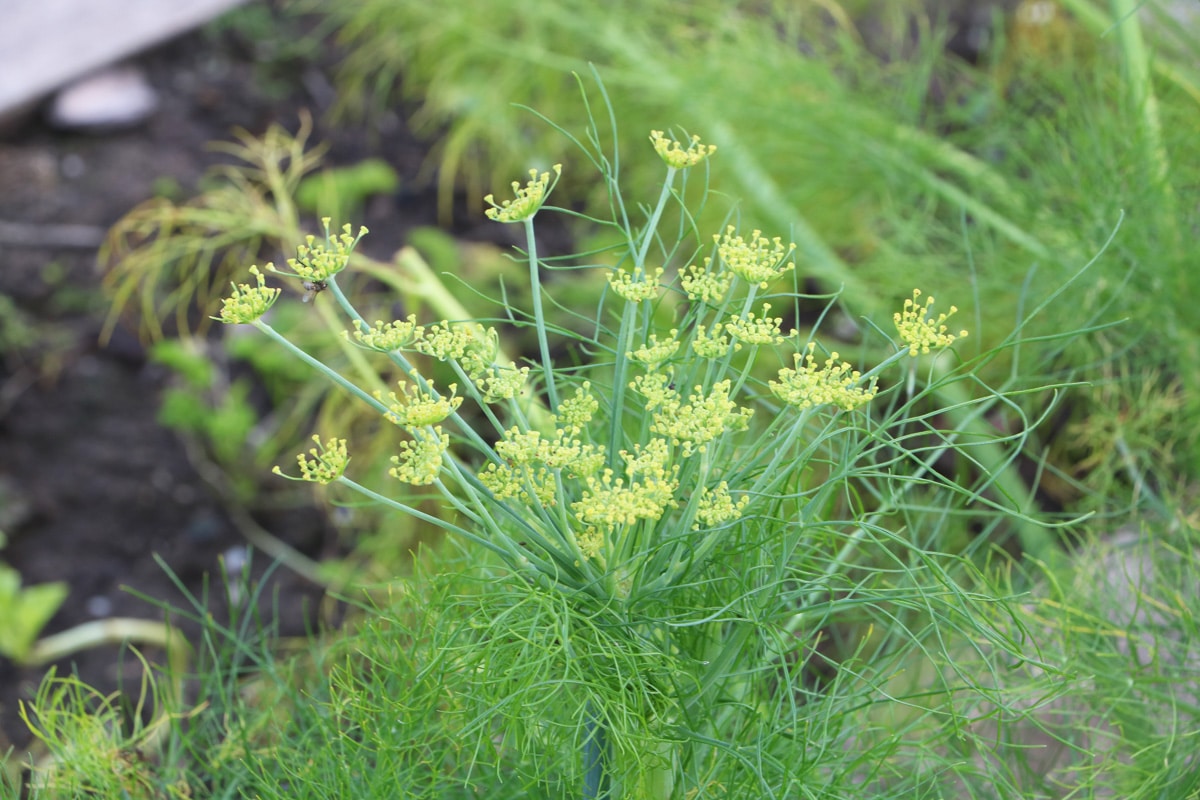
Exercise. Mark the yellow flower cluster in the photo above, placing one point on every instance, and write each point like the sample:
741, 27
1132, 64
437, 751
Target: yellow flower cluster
446, 342
609, 502
324, 463
576, 411
691, 425
531, 463
675, 156
654, 352
919, 330
316, 261
527, 200
809, 385
757, 261
475, 349
421, 407
248, 303
754, 331
497, 382
635, 288
702, 285
420, 460
716, 506
386, 337
712, 345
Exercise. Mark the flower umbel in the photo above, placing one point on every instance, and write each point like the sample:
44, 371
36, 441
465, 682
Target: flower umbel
654, 352
420, 408
674, 154
248, 303
527, 201
390, 336
692, 425
716, 506
919, 330
757, 261
755, 331
323, 464
636, 288
421, 459
809, 385
317, 262
703, 285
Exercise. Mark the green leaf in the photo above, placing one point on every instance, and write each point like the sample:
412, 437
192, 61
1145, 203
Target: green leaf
24, 612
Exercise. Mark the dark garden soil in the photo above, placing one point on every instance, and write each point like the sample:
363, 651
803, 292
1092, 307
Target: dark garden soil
91, 487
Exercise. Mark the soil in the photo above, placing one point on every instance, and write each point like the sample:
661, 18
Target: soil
92, 489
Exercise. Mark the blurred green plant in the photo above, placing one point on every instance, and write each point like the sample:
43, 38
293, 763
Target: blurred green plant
24, 611
341, 192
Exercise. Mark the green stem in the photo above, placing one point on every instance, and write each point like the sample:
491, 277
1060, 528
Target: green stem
625, 334
539, 317
320, 367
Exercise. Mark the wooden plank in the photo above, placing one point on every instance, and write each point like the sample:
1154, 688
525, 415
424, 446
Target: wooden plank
47, 43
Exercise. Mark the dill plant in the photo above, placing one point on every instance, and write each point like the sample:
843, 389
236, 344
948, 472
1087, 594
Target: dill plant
702, 539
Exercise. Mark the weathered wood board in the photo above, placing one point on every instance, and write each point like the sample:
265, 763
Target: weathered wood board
47, 43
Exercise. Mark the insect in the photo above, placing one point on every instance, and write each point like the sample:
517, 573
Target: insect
312, 289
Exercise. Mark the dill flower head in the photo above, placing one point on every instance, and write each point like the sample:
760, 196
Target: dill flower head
810, 385
247, 303
638, 287
692, 425
318, 261
421, 407
653, 353
390, 336
712, 345
527, 200
755, 331
703, 284
757, 261
675, 155
420, 460
920, 330
323, 464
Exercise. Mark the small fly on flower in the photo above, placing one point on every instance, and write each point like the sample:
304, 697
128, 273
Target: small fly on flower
312, 289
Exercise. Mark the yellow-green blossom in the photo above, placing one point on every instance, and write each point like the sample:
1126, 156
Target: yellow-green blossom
637, 287
576, 411
421, 407
692, 425
531, 483
318, 261
655, 352
716, 506
529, 461
609, 502
809, 385
676, 157
248, 303
591, 543
497, 383
323, 464
420, 460
445, 341
656, 388
390, 336
714, 345
703, 284
758, 261
919, 330
752, 330
527, 200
